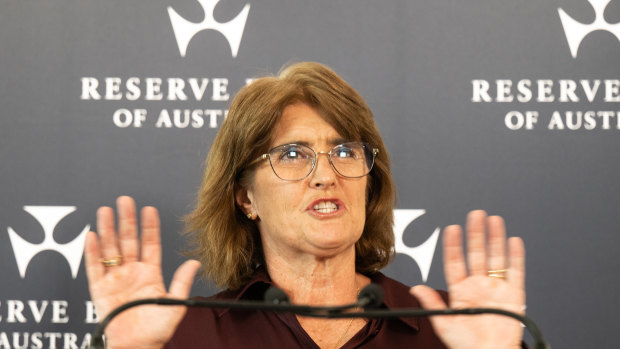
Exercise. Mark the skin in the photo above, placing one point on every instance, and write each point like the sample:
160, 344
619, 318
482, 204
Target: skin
310, 256
292, 233
472, 288
139, 276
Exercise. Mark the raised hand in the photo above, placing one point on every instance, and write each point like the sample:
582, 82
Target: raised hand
494, 279
121, 268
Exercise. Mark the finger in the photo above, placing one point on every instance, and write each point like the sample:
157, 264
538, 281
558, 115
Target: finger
107, 233
151, 240
497, 243
454, 266
516, 270
431, 300
476, 242
183, 279
94, 268
127, 228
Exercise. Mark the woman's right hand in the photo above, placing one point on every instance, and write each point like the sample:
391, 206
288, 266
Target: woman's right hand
137, 276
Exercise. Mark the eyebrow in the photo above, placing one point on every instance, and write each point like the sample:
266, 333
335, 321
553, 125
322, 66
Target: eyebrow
333, 142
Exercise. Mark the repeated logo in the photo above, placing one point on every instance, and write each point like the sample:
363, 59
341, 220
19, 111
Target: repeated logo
232, 30
48, 217
576, 31
421, 254
586, 94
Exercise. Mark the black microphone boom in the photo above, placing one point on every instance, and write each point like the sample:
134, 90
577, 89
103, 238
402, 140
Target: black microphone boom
370, 296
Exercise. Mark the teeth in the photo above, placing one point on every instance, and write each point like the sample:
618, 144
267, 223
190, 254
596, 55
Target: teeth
325, 207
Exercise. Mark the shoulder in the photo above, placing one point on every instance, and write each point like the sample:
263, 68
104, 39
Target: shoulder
204, 327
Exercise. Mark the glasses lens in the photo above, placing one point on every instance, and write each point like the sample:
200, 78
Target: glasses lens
291, 161
353, 159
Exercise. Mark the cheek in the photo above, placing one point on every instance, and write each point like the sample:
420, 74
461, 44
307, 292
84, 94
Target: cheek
359, 201
364, 190
275, 201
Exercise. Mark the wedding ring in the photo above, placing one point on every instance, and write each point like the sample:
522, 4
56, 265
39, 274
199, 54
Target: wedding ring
117, 260
498, 273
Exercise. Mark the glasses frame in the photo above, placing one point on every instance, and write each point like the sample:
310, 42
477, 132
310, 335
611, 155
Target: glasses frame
375, 151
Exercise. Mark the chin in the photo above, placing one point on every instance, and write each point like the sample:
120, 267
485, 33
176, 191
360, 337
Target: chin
331, 246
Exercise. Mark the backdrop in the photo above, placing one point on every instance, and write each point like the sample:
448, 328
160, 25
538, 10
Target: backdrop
503, 105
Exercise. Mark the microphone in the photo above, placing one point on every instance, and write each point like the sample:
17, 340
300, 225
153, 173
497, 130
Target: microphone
276, 295
371, 295
277, 300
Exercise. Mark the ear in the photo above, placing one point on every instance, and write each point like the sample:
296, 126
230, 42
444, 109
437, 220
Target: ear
243, 200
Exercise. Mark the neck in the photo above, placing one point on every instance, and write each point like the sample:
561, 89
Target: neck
317, 281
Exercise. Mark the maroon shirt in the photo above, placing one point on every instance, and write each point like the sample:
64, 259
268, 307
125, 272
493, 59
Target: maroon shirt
225, 328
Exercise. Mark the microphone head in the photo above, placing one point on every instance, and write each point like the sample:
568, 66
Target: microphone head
275, 295
373, 293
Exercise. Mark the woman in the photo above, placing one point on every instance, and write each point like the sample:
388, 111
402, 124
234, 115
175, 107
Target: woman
297, 192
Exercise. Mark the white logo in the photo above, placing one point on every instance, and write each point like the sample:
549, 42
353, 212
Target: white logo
185, 30
575, 31
421, 254
48, 217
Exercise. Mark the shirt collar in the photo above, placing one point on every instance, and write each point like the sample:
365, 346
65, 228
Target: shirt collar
253, 290
396, 294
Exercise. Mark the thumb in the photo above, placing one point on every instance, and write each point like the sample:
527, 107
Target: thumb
183, 279
431, 300
428, 297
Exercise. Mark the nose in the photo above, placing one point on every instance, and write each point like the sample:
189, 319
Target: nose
323, 175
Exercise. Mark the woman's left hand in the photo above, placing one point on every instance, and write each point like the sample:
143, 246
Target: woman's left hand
486, 252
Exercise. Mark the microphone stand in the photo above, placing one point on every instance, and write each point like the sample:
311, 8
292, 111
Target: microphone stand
282, 305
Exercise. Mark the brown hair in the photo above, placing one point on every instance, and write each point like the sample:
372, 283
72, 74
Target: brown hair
227, 243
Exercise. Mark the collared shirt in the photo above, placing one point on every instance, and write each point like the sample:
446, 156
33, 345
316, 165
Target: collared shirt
226, 328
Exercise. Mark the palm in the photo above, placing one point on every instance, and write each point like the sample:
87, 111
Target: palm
110, 287
483, 292
474, 289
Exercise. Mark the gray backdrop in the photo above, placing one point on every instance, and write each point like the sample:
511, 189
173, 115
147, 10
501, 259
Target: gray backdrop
482, 104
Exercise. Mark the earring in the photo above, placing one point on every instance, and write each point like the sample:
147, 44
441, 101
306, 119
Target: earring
250, 216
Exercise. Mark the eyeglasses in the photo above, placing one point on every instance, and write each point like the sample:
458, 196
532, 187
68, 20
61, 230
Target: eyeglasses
293, 162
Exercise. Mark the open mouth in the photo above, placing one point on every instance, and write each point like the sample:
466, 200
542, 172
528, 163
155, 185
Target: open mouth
325, 207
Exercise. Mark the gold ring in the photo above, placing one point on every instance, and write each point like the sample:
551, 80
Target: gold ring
117, 260
498, 273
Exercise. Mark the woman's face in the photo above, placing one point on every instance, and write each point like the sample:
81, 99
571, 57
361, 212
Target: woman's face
293, 218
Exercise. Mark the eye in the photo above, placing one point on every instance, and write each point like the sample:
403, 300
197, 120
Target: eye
346, 152
293, 152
